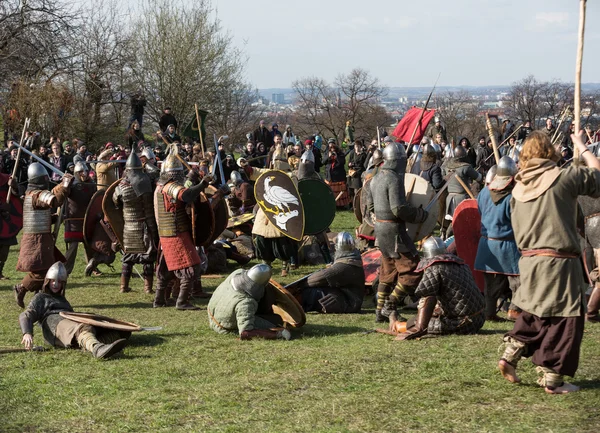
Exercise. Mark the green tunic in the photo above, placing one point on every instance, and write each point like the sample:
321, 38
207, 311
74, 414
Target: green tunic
552, 287
234, 311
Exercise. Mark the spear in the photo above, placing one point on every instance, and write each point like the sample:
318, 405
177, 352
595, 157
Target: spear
15, 168
578, 64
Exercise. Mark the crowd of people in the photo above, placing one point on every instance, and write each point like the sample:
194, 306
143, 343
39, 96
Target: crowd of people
155, 213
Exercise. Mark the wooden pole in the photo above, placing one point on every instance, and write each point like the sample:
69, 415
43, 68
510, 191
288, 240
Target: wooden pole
16, 167
465, 186
490, 129
199, 129
578, 64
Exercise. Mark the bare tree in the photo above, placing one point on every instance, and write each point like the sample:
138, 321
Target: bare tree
460, 114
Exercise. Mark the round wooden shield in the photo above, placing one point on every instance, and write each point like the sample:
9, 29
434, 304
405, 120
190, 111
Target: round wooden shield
356, 206
101, 321
239, 220
286, 305
279, 199
11, 223
371, 263
203, 221
113, 215
466, 224
419, 192
93, 215
318, 202
219, 207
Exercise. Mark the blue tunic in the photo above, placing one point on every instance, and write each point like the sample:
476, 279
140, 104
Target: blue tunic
497, 252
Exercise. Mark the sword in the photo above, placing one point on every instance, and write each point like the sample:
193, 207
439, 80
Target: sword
41, 161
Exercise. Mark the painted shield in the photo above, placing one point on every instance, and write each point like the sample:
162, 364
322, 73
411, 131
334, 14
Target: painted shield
101, 321
356, 206
280, 200
93, 215
371, 263
419, 192
467, 227
11, 221
203, 221
113, 215
318, 203
285, 305
219, 207
239, 220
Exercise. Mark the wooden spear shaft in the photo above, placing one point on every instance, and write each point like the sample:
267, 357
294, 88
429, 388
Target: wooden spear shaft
578, 64
490, 129
16, 167
199, 129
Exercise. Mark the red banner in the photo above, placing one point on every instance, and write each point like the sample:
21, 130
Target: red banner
405, 128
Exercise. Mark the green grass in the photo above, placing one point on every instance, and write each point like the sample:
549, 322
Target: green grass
333, 376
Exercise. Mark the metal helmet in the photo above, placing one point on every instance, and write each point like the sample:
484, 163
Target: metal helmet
36, 171
236, 178
429, 150
344, 242
433, 246
307, 156
436, 148
57, 272
252, 281
491, 174
394, 158
172, 163
377, 157
507, 167
148, 154
460, 152
133, 161
80, 166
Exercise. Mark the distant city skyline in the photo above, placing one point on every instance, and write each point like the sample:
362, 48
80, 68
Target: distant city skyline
406, 44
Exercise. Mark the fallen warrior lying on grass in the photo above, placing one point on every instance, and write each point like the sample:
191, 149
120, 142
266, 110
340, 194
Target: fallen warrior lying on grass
234, 305
45, 308
450, 301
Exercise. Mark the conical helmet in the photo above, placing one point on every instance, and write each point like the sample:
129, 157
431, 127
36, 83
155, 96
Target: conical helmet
308, 156
433, 246
133, 161
57, 272
172, 163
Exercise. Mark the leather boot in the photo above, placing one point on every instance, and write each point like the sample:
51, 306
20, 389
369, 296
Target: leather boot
388, 308
125, 283
183, 300
2, 276
197, 292
20, 294
174, 292
594, 305
285, 269
103, 351
159, 296
426, 307
148, 280
90, 267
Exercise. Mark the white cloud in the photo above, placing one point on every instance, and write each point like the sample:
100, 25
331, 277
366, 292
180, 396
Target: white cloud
550, 20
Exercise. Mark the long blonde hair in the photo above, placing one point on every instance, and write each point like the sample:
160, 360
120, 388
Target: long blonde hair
537, 145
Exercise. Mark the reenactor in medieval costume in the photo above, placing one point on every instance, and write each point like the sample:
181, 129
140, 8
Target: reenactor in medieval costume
149, 163
133, 196
497, 253
340, 287
234, 305
106, 172
450, 301
178, 256
430, 169
544, 219
242, 200
79, 195
10, 216
270, 243
356, 167
58, 331
366, 230
386, 199
38, 252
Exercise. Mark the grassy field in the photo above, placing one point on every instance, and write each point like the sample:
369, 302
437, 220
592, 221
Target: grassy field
333, 376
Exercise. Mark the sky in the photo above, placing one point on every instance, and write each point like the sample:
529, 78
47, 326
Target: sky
407, 43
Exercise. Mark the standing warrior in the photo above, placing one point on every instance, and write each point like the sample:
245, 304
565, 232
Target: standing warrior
178, 257
544, 219
37, 252
140, 235
448, 283
497, 253
386, 198
80, 193
6, 184
58, 331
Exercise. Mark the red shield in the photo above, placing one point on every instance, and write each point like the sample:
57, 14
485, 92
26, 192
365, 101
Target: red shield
371, 263
11, 221
467, 231
93, 215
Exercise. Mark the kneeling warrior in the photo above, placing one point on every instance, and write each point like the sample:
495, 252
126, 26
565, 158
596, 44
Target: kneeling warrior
178, 257
37, 252
234, 304
45, 308
448, 282
339, 288
140, 235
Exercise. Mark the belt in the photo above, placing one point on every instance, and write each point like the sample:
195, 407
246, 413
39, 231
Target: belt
385, 221
499, 239
217, 322
548, 252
